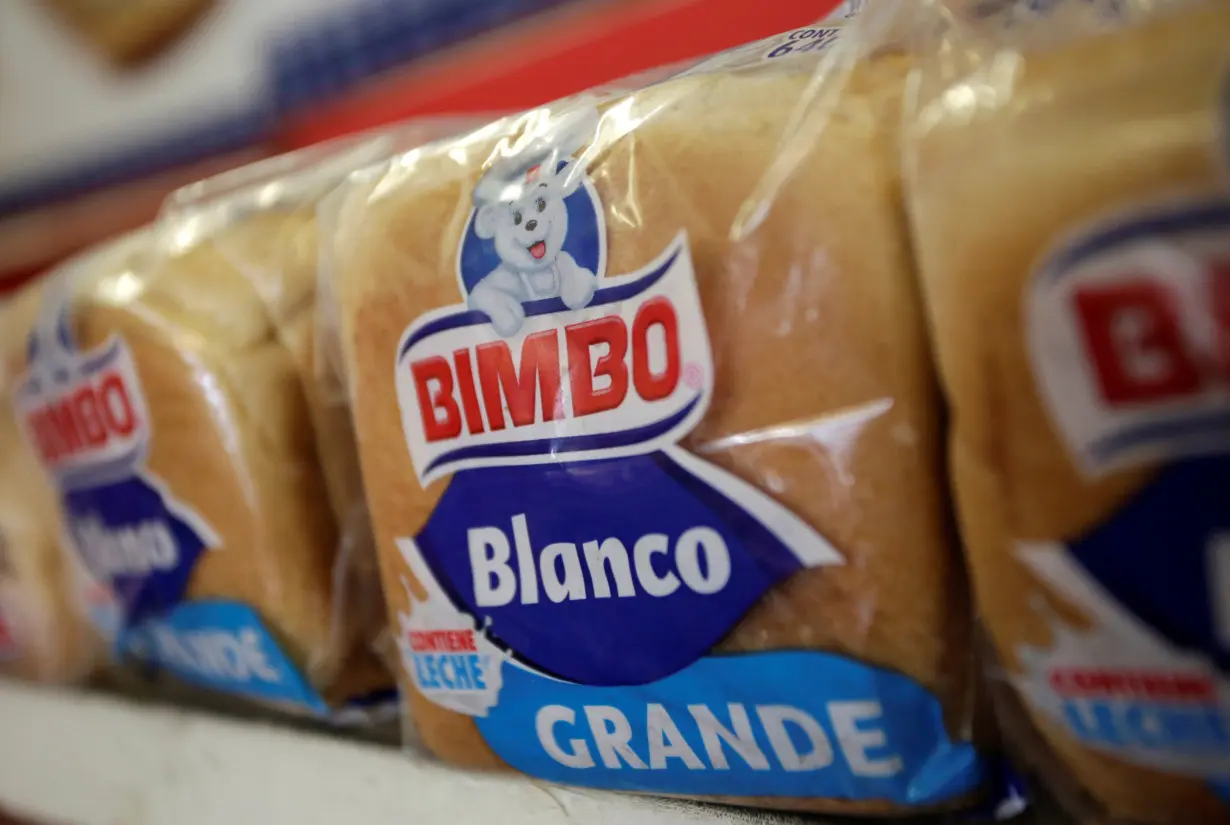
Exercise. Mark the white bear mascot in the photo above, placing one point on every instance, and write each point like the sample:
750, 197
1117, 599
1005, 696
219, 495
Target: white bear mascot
519, 202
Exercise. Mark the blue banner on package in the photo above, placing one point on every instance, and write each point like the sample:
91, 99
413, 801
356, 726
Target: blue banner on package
766, 724
572, 539
222, 646
1181, 510
127, 534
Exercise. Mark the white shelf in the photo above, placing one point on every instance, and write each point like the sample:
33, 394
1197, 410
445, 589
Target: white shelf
78, 759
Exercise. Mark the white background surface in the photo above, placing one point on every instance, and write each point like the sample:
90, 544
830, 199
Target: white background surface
73, 759
59, 100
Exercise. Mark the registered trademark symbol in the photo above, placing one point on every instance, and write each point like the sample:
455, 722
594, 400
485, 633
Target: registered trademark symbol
693, 375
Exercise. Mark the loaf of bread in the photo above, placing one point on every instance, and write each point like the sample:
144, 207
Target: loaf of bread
822, 405
275, 251
45, 634
263, 220
129, 31
1067, 185
279, 253
231, 435
176, 422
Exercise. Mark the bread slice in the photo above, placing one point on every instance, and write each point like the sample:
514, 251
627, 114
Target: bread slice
1081, 127
805, 279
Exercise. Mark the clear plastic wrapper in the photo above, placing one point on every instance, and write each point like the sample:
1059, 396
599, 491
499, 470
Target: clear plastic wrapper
45, 632
649, 435
261, 221
169, 395
1066, 168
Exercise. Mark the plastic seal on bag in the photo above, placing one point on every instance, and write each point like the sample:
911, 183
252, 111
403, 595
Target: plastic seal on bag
45, 634
654, 467
1066, 170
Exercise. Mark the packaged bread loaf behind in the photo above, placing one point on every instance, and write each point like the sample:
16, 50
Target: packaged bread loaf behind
275, 248
649, 438
177, 428
1072, 216
261, 221
270, 243
45, 634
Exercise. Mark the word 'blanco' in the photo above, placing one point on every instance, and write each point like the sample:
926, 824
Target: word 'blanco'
130, 550
697, 559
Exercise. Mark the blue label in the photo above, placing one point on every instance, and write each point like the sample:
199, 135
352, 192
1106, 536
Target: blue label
221, 646
801, 724
1195, 729
1123, 330
1221, 787
1165, 709
565, 553
1154, 555
128, 535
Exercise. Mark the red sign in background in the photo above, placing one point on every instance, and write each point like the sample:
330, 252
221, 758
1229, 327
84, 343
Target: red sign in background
554, 53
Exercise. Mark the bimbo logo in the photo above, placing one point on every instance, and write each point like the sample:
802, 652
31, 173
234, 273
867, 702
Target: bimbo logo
548, 358
84, 414
1129, 331
628, 374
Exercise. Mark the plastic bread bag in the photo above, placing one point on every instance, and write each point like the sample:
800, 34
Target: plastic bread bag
261, 221
176, 425
1066, 173
651, 443
45, 634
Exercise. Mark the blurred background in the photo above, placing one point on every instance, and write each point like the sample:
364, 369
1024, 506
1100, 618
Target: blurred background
107, 105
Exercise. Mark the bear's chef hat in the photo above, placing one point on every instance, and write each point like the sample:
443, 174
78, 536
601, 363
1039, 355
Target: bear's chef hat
533, 157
